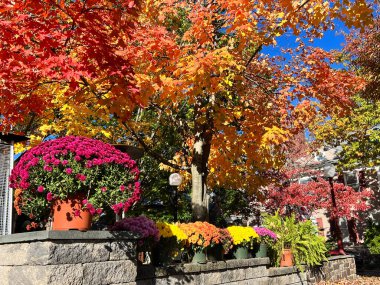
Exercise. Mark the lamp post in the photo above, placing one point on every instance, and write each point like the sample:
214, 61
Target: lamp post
329, 171
175, 179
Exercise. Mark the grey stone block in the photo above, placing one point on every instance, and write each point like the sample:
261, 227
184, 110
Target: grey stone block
49, 275
121, 250
255, 272
195, 279
74, 253
4, 274
259, 261
100, 273
14, 254
278, 271
226, 276
216, 266
212, 278
258, 281
233, 263
238, 274
65, 274
191, 267
67, 235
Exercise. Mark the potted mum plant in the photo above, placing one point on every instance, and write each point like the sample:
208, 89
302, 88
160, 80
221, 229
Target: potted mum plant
146, 229
243, 239
171, 243
220, 247
201, 235
74, 178
267, 238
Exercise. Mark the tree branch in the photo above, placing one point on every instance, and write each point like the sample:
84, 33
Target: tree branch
153, 154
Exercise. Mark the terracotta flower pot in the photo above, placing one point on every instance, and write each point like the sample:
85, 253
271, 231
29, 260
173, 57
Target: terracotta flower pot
69, 215
286, 258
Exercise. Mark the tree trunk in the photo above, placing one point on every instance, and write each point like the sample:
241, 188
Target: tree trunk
199, 172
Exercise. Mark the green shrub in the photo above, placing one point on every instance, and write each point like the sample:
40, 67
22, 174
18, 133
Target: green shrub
374, 245
372, 237
301, 237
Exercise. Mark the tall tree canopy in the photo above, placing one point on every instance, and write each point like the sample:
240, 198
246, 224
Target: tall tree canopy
358, 134
195, 65
364, 49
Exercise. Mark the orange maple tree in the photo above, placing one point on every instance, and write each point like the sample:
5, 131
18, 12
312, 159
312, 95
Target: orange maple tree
197, 65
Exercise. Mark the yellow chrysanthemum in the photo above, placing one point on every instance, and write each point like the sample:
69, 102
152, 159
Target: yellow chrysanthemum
242, 235
167, 230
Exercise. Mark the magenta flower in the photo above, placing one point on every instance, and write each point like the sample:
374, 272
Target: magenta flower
40, 188
81, 177
122, 188
104, 189
49, 196
68, 170
141, 225
77, 213
48, 168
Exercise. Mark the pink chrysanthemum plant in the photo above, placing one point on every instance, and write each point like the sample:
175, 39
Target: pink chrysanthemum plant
74, 167
143, 226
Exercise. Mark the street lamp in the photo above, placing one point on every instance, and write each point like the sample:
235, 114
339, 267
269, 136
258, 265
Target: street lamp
175, 179
329, 171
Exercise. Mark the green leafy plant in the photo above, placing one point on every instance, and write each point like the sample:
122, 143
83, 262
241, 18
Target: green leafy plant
372, 237
301, 237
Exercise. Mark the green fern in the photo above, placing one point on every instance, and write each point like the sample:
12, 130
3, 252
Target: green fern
302, 237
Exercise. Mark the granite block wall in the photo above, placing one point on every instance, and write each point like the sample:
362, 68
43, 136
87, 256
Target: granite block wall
108, 258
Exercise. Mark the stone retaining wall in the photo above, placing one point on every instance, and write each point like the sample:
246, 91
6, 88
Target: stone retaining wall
69, 257
243, 271
336, 268
106, 258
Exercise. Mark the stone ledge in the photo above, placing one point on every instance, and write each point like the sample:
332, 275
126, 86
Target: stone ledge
67, 235
337, 257
149, 271
278, 271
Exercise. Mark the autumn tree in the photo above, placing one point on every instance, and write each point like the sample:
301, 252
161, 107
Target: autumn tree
358, 134
197, 65
315, 194
363, 48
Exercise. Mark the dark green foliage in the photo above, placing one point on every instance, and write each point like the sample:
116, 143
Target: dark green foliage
301, 237
157, 201
372, 237
227, 202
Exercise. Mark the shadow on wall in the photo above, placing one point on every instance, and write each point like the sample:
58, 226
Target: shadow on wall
149, 274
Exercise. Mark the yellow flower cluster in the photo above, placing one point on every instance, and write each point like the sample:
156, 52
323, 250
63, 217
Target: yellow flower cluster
167, 230
242, 235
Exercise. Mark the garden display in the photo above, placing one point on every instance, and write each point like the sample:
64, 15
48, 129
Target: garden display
74, 178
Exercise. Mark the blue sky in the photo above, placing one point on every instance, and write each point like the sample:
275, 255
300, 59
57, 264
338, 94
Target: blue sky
332, 39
